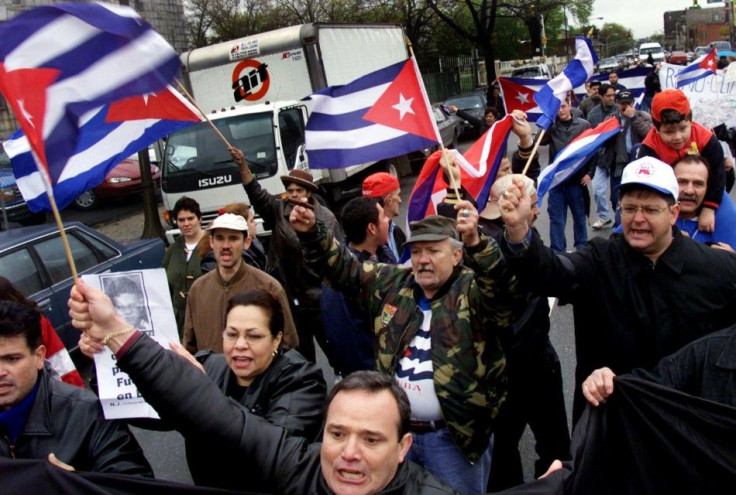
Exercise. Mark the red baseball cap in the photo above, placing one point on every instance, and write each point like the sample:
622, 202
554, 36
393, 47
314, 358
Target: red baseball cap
379, 184
669, 99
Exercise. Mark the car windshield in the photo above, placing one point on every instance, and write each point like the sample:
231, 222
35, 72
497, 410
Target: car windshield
198, 150
652, 50
527, 72
464, 102
609, 61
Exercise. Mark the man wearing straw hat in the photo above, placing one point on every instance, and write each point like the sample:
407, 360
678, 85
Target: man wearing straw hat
285, 261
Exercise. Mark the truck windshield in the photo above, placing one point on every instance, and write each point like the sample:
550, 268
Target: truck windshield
197, 150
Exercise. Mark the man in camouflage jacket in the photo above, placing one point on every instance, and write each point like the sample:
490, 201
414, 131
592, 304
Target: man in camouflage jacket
467, 305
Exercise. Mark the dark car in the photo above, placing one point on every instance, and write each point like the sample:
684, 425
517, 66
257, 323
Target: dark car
123, 180
472, 103
12, 204
33, 259
450, 127
678, 58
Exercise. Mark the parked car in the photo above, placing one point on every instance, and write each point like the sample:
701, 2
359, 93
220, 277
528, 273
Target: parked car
701, 50
450, 127
535, 71
607, 65
472, 103
678, 58
33, 259
123, 180
12, 203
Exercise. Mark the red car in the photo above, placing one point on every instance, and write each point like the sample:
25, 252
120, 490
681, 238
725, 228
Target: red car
123, 180
679, 58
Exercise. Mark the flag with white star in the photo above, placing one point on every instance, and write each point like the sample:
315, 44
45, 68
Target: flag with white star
381, 115
60, 62
108, 135
703, 66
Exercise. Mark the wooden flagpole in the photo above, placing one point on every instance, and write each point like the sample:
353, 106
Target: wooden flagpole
57, 217
444, 150
534, 151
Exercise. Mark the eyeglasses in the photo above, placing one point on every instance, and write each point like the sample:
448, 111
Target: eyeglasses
252, 339
648, 211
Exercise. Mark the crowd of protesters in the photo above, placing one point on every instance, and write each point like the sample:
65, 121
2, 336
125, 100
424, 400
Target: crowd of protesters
442, 361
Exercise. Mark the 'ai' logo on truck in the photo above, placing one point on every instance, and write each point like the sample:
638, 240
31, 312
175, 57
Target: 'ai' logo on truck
215, 181
250, 80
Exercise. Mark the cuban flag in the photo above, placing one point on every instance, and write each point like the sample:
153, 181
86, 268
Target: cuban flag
478, 168
58, 63
575, 155
703, 66
107, 135
518, 94
633, 79
550, 96
380, 115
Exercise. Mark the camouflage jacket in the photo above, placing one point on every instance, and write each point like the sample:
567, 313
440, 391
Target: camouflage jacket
468, 362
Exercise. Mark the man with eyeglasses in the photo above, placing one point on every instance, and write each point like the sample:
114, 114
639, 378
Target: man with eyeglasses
637, 296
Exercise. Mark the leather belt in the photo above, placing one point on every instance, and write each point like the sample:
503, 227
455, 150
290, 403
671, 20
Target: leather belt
426, 426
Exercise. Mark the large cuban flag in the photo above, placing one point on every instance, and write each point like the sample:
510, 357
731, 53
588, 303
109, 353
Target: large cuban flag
551, 95
575, 155
59, 64
380, 115
107, 135
703, 66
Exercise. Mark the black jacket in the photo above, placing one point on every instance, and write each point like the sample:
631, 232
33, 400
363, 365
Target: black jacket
68, 421
289, 394
630, 312
188, 399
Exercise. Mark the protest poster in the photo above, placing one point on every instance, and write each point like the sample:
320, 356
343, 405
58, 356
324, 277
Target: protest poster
142, 299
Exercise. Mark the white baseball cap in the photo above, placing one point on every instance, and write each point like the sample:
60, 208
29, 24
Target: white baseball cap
651, 172
229, 221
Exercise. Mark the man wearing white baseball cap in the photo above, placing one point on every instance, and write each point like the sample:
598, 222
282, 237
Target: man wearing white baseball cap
208, 297
637, 296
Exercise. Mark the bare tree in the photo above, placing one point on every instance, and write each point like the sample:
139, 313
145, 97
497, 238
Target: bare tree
482, 14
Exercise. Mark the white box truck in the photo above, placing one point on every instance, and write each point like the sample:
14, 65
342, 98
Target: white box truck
251, 89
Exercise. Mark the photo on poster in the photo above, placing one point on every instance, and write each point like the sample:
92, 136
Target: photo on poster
128, 294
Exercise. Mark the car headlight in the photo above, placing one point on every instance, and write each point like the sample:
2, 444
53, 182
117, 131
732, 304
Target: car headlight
116, 180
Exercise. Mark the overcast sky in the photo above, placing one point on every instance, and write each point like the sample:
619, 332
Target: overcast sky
643, 17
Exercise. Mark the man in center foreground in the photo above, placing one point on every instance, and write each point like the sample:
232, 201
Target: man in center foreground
435, 329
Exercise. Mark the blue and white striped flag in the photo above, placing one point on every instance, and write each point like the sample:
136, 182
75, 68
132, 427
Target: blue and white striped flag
575, 155
380, 115
578, 71
58, 63
703, 66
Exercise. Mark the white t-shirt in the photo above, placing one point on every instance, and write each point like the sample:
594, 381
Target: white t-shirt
415, 373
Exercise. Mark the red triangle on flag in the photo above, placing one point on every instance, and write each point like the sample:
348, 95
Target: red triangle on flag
517, 96
402, 106
25, 91
710, 61
162, 105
